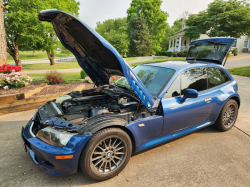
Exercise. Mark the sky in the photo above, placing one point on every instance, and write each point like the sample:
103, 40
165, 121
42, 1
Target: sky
92, 11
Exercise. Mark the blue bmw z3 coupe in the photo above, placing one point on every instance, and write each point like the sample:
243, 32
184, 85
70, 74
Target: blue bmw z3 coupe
98, 129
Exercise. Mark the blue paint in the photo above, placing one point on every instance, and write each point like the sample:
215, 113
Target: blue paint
161, 139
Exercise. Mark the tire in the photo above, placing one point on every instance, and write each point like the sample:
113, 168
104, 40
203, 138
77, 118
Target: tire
113, 148
227, 116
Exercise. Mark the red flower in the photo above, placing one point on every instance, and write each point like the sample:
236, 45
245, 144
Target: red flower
54, 80
50, 81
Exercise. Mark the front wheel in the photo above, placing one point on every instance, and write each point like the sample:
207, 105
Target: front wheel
106, 154
228, 116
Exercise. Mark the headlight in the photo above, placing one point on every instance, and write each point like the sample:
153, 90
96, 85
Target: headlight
54, 137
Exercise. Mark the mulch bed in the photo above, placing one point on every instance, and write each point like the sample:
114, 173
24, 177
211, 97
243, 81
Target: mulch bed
19, 90
60, 88
52, 89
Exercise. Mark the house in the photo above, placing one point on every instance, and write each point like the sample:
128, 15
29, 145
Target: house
179, 42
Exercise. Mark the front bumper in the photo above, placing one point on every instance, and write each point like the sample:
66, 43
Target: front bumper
44, 155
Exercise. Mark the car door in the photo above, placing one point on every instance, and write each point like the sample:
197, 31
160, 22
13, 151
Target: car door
193, 111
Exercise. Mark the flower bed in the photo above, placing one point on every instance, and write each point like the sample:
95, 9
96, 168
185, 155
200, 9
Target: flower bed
12, 77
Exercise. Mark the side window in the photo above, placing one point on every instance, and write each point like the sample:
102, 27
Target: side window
174, 89
194, 79
216, 77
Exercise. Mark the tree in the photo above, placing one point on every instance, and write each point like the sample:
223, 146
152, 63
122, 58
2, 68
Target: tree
3, 48
155, 18
115, 32
24, 30
221, 18
140, 39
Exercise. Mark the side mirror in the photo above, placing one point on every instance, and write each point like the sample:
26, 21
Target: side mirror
189, 93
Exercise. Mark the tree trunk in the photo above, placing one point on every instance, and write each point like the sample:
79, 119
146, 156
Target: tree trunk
3, 46
34, 51
15, 54
51, 58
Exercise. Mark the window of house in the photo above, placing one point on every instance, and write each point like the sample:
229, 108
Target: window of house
194, 79
245, 43
235, 43
174, 89
216, 77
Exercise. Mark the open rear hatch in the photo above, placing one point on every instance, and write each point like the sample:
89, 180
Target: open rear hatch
211, 50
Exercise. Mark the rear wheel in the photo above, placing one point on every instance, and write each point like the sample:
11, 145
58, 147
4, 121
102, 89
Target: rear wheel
106, 154
228, 116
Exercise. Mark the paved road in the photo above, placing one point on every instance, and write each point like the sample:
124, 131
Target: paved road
204, 158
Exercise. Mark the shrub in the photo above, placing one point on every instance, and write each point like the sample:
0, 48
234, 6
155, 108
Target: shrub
235, 51
174, 55
14, 80
184, 54
88, 80
179, 54
6, 68
54, 77
186, 51
83, 74
168, 53
228, 54
114, 78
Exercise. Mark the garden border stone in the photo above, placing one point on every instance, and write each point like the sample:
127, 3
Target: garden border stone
30, 103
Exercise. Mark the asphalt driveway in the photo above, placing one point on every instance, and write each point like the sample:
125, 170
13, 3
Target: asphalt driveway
204, 158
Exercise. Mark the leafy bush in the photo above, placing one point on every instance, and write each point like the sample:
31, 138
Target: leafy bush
14, 80
88, 80
6, 68
186, 51
184, 54
174, 55
83, 74
228, 54
165, 53
54, 77
235, 51
179, 54
114, 78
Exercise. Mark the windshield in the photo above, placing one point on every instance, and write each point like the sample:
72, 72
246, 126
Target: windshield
154, 78
207, 51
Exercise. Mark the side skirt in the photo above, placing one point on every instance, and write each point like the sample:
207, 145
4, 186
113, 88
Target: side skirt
168, 137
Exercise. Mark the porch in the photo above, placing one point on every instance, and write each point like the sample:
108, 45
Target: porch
178, 42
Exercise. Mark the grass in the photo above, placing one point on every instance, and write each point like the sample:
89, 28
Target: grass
46, 66
130, 59
25, 55
159, 59
243, 71
67, 76
61, 65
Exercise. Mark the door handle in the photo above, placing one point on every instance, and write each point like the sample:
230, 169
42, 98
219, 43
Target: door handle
208, 99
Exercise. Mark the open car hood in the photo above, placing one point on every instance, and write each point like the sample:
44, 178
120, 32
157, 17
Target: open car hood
211, 50
96, 56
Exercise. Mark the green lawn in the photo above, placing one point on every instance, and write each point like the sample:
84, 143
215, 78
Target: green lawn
243, 71
158, 59
130, 59
59, 65
46, 66
25, 55
67, 76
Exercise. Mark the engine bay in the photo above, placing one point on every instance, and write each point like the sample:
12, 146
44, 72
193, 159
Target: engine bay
74, 110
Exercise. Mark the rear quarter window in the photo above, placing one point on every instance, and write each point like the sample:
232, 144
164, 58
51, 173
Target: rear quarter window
216, 77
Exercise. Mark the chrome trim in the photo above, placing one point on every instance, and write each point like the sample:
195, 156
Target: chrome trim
57, 109
31, 129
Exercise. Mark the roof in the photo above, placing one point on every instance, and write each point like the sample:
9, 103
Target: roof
181, 65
